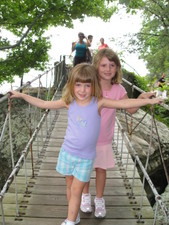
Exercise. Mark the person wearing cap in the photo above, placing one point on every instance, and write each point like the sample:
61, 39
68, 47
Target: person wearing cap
80, 47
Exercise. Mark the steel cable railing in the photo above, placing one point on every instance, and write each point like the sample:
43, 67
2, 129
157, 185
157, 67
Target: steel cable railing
61, 78
57, 81
134, 87
137, 160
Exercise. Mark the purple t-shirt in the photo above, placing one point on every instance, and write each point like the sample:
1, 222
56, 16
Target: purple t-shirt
83, 130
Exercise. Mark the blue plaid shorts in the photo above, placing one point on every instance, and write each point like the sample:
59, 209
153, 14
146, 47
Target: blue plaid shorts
69, 165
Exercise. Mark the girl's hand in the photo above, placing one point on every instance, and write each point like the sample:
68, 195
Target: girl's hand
156, 101
14, 94
147, 95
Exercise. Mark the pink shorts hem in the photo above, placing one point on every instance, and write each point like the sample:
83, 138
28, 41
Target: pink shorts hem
104, 157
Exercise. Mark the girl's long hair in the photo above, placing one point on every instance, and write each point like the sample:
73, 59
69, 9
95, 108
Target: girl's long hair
84, 73
111, 56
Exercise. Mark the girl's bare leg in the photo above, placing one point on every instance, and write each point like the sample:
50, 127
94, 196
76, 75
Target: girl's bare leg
100, 210
69, 180
100, 182
75, 199
86, 188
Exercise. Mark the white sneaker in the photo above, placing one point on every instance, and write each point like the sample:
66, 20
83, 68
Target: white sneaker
67, 223
77, 219
63, 223
76, 222
100, 210
85, 205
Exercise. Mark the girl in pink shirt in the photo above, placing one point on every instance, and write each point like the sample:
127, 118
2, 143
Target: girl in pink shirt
108, 67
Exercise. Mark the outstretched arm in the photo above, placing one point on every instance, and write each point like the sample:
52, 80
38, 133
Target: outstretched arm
127, 103
73, 48
141, 96
39, 102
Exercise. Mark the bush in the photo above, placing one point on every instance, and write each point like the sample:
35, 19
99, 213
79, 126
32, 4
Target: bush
143, 83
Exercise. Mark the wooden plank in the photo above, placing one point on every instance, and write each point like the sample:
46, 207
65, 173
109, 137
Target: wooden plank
52, 199
45, 202
61, 190
48, 211
84, 221
61, 181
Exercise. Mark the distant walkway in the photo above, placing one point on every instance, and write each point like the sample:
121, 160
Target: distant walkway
45, 203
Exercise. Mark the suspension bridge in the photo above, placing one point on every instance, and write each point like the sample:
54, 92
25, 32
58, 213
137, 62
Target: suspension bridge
35, 194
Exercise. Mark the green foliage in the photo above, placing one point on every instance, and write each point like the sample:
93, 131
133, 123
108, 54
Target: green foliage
135, 79
131, 5
141, 82
28, 20
30, 54
161, 113
152, 40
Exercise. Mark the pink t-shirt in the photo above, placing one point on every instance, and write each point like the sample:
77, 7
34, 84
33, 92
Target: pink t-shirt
102, 46
117, 92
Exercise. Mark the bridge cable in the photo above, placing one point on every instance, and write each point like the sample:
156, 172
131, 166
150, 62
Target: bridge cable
12, 155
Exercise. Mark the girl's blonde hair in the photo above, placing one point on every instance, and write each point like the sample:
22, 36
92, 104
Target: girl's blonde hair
111, 56
84, 73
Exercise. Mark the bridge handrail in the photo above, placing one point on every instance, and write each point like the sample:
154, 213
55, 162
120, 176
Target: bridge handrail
61, 80
5, 97
158, 198
141, 91
59, 83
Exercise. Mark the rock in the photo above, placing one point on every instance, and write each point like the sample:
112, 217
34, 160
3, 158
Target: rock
160, 214
140, 140
141, 146
141, 137
20, 123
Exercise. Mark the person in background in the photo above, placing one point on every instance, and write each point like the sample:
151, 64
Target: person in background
161, 90
108, 67
103, 45
161, 81
80, 47
83, 98
89, 51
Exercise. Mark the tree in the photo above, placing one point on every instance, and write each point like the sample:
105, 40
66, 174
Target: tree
27, 20
152, 40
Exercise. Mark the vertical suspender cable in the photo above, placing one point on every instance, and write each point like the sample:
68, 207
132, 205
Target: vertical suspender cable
2, 211
146, 165
161, 154
12, 156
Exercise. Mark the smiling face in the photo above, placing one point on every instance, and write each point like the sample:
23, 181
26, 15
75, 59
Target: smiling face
82, 84
83, 92
107, 64
107, 69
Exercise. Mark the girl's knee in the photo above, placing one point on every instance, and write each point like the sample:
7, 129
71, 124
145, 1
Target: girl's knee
100, 170
77, 187
69, 180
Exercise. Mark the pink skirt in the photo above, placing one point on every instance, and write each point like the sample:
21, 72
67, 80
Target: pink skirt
104, 157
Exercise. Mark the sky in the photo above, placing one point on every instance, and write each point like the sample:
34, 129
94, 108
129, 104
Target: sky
117, 28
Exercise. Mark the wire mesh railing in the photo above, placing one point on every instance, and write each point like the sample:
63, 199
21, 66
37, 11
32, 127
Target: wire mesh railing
127, 137
32, 119
159, 202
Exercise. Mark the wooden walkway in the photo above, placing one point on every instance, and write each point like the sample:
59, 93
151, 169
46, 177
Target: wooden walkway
45, 201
